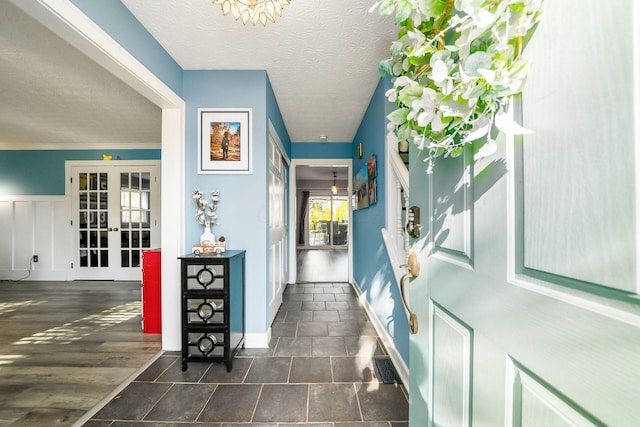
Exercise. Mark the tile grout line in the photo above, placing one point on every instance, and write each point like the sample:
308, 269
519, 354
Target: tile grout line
355, 389
158, 401
290, 369
206, 403
255, 407
246, 374
308, 402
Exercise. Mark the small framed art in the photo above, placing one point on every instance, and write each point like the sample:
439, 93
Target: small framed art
224, 141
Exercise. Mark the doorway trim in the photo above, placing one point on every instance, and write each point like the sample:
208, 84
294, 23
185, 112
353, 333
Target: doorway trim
293, 231
89, 165
67, 21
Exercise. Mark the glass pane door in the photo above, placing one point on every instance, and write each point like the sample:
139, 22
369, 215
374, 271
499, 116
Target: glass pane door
328, 221
117, 209
135, 217
93, 193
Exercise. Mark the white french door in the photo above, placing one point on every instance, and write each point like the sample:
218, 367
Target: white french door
527, 295
116, 216
277, 227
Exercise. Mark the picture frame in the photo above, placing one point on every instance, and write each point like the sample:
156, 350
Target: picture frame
365, 185
372, 169
361, 189
372, 172
225, 141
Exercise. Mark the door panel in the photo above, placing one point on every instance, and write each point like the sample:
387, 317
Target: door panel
93, 219
115, 207
452, 215
452, 374
541, 325
135, 216
587, 151
277, 228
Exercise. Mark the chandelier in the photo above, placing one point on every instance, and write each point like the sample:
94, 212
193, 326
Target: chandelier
253, 11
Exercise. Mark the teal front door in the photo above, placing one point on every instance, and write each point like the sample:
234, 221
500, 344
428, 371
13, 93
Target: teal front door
527, 298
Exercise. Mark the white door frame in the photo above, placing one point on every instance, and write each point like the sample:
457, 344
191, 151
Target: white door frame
293, 224
89, 165
67, 21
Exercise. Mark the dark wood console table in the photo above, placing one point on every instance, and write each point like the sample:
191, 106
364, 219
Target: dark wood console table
212, 288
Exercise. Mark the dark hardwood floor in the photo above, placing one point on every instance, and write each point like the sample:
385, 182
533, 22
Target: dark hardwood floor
67, 346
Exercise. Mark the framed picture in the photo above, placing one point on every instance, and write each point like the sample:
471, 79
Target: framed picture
361, 189
224, 141
373, 192
365, 185
372, 172
372, 169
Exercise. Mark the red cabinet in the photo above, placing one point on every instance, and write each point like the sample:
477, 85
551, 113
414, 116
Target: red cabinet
151, 292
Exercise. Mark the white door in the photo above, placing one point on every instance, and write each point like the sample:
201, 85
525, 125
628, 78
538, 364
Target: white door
277, 228
116, 216
527, 298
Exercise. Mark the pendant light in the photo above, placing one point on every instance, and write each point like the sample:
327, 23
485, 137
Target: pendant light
334, 187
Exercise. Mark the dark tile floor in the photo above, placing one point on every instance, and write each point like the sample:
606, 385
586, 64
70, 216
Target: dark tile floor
319, 370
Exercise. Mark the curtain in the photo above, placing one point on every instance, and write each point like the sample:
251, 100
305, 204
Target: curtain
303, 214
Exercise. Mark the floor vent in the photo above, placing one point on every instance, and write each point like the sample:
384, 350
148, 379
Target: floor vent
386, 371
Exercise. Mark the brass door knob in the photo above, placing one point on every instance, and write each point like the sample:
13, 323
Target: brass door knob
413, 265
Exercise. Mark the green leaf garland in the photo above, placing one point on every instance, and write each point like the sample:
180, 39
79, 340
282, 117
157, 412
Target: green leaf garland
455, 67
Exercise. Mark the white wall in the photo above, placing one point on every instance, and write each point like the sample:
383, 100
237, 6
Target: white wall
34, 225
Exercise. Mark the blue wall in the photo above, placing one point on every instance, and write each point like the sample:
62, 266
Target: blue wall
242, 210
372, 270
274, 114
116, 20
41, 172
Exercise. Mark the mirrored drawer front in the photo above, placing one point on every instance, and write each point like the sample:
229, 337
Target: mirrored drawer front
205, 311
205, 277
205, 344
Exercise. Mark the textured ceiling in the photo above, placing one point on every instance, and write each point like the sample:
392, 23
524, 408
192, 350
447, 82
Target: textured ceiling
321, 57
54, 97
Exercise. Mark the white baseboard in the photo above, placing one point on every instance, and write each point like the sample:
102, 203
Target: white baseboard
398, 361
253, 340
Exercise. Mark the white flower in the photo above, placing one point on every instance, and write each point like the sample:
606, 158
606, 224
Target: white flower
424, 108
439, 72
437, 125
403, 81
391, 95
417, 37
